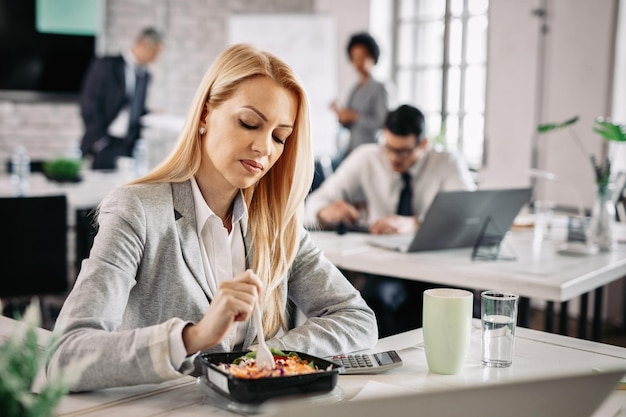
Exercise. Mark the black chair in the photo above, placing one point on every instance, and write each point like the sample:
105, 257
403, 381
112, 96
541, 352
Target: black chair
34, 258
323, 169
86, 230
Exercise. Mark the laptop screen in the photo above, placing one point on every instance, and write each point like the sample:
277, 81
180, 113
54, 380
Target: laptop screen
458, 219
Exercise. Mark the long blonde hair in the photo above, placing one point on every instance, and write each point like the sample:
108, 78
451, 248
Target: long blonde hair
275, 202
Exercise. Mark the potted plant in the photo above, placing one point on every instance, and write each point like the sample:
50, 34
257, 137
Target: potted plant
21, 359
63, 169
603, 213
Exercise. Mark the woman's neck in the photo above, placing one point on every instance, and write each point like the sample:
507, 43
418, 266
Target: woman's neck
218, 195
364, 77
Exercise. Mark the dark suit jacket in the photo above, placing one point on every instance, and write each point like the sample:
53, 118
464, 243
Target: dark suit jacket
102, 97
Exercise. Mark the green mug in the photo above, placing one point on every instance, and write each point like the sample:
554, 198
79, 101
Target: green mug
447, 328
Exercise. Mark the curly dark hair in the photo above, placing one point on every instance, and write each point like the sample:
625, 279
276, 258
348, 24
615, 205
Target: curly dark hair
366, 40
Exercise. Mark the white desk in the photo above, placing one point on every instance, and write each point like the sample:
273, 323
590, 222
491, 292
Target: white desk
539, 271
537, 354
81, 195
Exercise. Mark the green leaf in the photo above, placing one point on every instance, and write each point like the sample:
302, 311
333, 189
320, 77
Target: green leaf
249, 355
609, 130
548, 127
278, 352
21, 358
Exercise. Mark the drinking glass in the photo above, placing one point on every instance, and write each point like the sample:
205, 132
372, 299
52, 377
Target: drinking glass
499, 317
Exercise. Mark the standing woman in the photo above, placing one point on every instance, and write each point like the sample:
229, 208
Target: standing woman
367, 105
183, 255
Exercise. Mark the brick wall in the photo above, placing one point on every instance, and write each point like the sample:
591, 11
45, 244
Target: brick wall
195, 33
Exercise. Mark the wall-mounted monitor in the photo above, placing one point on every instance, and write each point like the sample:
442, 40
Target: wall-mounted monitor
46, 47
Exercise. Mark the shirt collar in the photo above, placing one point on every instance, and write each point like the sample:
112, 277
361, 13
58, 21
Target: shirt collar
204, 212
417, 166
130, 60
413, 169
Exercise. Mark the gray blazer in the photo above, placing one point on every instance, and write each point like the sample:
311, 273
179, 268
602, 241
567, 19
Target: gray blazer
370, 101
144, 275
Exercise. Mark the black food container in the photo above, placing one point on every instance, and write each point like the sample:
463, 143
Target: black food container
261, 389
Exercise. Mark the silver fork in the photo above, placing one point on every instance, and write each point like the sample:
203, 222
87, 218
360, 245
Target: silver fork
264, 358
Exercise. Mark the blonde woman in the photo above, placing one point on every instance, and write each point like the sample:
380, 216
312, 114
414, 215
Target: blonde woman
183, 255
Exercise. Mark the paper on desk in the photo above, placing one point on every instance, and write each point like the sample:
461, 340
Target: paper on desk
375, 389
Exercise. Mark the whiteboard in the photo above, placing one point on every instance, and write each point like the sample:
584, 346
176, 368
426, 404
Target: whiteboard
307, 42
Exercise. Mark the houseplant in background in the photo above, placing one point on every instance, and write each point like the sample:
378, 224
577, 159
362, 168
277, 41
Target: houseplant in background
603, 211
63, 169
21, 360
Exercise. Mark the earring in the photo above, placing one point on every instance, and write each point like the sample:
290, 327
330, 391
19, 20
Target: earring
202, 130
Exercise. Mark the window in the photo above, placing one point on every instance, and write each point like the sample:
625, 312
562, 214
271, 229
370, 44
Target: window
439, 65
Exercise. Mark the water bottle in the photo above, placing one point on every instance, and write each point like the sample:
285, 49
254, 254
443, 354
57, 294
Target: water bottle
73, 152
20, 172
140, 155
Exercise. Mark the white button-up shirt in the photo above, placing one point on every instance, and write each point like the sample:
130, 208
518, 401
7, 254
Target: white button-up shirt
223, 257
366, 176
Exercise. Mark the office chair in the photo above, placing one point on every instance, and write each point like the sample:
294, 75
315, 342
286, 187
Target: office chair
86, 231
323, 170
34, 261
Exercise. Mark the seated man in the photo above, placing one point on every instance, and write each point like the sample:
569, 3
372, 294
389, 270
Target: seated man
395, 181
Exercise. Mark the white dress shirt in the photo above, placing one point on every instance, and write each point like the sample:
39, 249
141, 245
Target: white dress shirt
223, 257
366, 176
119, 126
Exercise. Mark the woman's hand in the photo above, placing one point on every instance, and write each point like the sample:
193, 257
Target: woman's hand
234, 302
345, 116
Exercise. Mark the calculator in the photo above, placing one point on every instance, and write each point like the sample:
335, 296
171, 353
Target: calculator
368, 363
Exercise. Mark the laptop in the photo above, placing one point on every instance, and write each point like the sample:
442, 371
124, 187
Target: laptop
456, 219
574, 395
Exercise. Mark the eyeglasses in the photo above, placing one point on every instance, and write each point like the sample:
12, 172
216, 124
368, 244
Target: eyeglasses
402, 153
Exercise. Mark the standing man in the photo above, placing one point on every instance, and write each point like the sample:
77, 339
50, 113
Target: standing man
396, 181
113, 99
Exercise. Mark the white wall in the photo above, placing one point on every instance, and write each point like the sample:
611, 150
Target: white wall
619, 86
510, 97
351, 16
577, 81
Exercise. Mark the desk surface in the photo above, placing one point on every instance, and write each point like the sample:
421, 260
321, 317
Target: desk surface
539, 272
537, 355
84, 194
